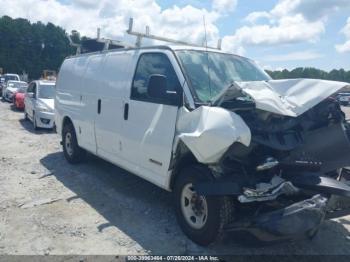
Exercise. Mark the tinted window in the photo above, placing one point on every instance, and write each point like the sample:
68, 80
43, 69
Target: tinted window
149, 64
32, 89
47, 91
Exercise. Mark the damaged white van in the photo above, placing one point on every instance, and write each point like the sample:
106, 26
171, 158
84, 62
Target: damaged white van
241, 152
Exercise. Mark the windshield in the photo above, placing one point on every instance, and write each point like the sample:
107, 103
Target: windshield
17, 85
10, 77
47, 91
209, 72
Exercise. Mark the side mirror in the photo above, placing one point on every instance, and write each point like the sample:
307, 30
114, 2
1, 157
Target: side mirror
157, 88
30, 95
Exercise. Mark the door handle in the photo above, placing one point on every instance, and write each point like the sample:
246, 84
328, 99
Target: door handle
99, 106
126, 111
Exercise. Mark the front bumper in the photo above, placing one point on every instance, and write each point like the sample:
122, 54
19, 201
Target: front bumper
297, 221
45, 119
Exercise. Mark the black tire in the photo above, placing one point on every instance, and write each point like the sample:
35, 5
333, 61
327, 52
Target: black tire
219, 209
34, 122
25, 115
71, 150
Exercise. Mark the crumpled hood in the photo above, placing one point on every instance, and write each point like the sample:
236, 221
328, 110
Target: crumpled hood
290, 97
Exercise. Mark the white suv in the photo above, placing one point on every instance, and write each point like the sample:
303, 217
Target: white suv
240, 151
39, 104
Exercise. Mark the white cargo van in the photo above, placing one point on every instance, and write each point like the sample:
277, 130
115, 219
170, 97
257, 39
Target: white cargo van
240, 151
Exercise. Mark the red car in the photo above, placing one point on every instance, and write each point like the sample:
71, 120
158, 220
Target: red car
18, 98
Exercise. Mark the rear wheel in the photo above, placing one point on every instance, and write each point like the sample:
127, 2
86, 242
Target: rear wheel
201, 218
72, 152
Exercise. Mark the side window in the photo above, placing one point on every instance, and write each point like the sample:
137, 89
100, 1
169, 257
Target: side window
149, 64
30, 88
34, 89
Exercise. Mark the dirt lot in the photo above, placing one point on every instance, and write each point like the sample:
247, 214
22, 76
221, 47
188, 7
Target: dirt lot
50, 207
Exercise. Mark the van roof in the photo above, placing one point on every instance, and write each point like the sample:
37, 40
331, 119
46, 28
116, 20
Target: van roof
167, 47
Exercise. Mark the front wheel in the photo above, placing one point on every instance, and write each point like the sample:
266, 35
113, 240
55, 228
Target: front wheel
35, 125
72, 152
201, 218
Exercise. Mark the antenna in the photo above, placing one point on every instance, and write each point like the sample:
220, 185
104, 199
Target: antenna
98, 33
205, 33
206, 51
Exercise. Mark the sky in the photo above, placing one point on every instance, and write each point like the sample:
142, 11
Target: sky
277, 34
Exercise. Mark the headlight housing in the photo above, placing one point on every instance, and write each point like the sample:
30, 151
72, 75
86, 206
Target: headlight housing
43, 108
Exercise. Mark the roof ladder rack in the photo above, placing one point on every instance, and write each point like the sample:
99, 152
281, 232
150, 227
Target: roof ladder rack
104, 43
147, 34
78, 46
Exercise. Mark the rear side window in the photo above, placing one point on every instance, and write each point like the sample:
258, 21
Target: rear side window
149, 64
30, 88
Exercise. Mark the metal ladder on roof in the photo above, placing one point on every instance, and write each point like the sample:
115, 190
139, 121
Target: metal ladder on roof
115, 44
140, 36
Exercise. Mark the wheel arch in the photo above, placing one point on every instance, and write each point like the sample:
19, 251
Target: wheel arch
183, 157
65, 121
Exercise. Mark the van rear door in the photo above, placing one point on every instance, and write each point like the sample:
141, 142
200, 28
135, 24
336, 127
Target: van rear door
149, 125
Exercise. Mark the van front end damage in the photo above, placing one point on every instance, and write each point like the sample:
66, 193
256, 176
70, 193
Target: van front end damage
283, 157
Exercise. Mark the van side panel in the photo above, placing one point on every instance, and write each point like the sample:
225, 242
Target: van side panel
72, 102
64, 99
148, 134
90, 88
141, 143
111, 93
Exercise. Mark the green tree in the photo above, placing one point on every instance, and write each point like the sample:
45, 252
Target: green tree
309, 72
32, 47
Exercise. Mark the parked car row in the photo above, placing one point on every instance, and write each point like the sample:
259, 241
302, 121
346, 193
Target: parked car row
35, 99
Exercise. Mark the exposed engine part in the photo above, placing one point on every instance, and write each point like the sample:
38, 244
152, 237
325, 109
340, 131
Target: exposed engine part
329, 145
300, 220
268, 191
269, 163
316, 182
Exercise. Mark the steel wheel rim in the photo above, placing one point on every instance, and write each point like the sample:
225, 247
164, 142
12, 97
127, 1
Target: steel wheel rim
68, 144
194, 207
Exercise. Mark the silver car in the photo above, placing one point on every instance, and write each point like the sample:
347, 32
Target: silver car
11, 88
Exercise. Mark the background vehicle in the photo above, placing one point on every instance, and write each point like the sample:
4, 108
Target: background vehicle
18, 98
344, 98
11, 88
6, 77
13, 77
39, 104
240, 151
2, 81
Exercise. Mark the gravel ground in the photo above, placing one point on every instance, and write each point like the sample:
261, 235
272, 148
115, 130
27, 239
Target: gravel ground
50, 207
